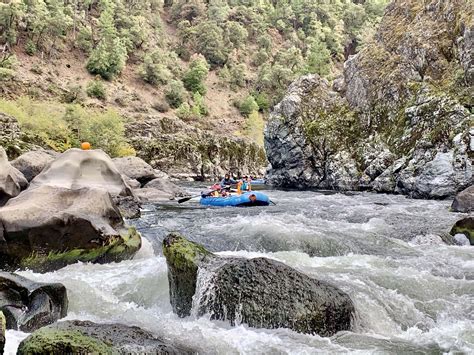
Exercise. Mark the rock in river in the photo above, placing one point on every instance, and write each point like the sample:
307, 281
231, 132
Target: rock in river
12, 181
464, 226
260, 292
464, 201
84, 337
29, 305
32, 163
67, 215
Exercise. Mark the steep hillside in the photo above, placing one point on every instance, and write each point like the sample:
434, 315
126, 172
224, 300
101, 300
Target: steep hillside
216, 66
399, 120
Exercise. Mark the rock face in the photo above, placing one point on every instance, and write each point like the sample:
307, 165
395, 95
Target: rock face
259, 292
12, 181
32, 163
28, 305
11, 137
186, 152
464, 201
67, 215
84, 337
400, 122
464, 226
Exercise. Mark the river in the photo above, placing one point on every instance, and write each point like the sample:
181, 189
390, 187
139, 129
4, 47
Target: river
412, 292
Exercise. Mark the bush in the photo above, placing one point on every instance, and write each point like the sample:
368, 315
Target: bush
199, 107
154, 71
58, 126
248, 105
161, 106
194, 78
30, 47
96, 89
6, 74
262, 101
74, 94
175, 93
184, 112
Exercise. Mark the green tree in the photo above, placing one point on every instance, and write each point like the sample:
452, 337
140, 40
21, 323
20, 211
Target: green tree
236, 33
194, 78
175, 93
108, 58
318, 59
248, 105
209, 42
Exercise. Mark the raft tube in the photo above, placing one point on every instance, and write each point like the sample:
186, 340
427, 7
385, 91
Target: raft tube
247, 199
258, 182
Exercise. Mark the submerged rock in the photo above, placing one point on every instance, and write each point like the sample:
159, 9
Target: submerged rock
464, 226
464, 201
260, 292
12, 181
68, 215
32, 163
84, 337
29, 305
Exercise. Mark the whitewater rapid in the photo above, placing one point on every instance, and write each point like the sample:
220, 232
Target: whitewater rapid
412, 292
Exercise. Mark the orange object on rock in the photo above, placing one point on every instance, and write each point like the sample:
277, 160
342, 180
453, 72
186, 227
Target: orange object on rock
85, 146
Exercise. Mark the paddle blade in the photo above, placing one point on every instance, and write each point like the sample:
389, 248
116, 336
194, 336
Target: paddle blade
181, 200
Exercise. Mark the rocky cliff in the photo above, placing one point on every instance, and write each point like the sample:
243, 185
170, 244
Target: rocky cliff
398, 120
187, 152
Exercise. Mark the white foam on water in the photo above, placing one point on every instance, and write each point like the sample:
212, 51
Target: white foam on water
408, 296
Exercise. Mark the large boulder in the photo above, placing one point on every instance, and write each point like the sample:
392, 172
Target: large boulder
32, 163
464, 201
158, 190
138, 169
48, 227
84, 337
464, 226
12, 181
68, 215
78, 168
29, 305
260, 292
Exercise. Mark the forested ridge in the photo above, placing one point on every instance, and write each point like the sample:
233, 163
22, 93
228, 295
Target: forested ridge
198, 60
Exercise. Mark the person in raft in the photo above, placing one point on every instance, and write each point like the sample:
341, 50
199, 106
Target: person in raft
227, 181
246, 183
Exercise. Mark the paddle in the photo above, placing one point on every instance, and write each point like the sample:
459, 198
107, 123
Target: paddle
184, 199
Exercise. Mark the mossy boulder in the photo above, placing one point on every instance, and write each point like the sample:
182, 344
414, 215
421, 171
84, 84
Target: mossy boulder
84, 337
260, 292
464, 226
29, 305
183, 258
48, 227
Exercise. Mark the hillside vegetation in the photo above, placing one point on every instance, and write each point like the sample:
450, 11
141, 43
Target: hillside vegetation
216, 66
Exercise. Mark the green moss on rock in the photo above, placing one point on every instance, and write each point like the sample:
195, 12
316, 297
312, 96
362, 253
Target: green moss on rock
464, 226
54, 341
116, 250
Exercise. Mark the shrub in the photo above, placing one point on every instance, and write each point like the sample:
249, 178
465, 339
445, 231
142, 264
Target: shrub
30, 47
58, 126
74, 94
184, 112
161, 106
254, 126
96, 89
194, 78
248, 105
199, 107
6, 74
175, 93
262, 101
154, 70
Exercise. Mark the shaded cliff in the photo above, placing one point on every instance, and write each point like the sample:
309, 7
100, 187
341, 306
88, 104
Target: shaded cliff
399, 120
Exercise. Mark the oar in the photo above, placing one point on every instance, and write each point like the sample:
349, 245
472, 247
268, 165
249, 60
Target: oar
181, 200
274, 204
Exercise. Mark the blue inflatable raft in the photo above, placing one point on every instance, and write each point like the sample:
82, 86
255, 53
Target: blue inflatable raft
247, 199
